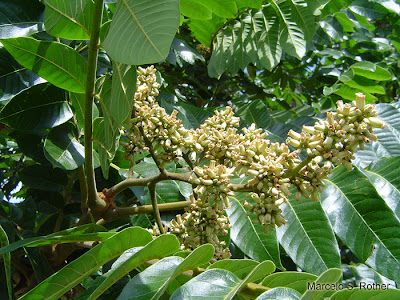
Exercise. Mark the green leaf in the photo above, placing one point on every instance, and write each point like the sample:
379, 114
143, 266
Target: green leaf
69, 20
371, 71
388, 138
294, 280
345, 21
292, 36
141, 31
82, 233
6, 261
222, 8
204, 30
391, 5
363, 221
44, 178
307, 236
348, 93
280, 293
14, 78
366, 85
20, 18
330, 276
367, 9
249, 237
333, 28
249, 3
59, 64
181, 53
302, 15
239, 267
255, 112
160, 247
122, 92
195, 9
212, 284
62, 149
366, 294
384, 175
39, 107
72, 274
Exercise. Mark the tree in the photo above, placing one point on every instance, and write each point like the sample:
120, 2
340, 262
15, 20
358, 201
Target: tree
168, 170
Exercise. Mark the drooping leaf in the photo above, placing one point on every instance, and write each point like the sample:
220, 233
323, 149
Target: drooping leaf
181, 53
368, 9
69, 276
62, 149
292, 38
78, 104
204, 30
39, 107
14, 78
141, 31
20, 18
294, 280
373, 237
69, 19
55, 62
280, 293
249, 237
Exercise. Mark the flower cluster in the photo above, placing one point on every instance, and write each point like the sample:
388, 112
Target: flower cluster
334, 140
268, 169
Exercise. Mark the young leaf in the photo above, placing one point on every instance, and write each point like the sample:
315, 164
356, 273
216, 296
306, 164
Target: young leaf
72, 274
141, 31
195, 9
57, 63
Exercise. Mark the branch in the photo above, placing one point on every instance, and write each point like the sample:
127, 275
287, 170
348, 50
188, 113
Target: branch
144, 209
154, 204
151, 150
294, 171
93, 200
130, 182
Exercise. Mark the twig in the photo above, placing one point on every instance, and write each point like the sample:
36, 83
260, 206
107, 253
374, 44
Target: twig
151, 150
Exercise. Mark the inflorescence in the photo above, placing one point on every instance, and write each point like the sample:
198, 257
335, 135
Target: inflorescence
270, 169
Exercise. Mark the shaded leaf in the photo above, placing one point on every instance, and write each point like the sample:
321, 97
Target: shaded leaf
6, 261
13, 77
44, 178
55, 62
62, 149
39, 107
20, 18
